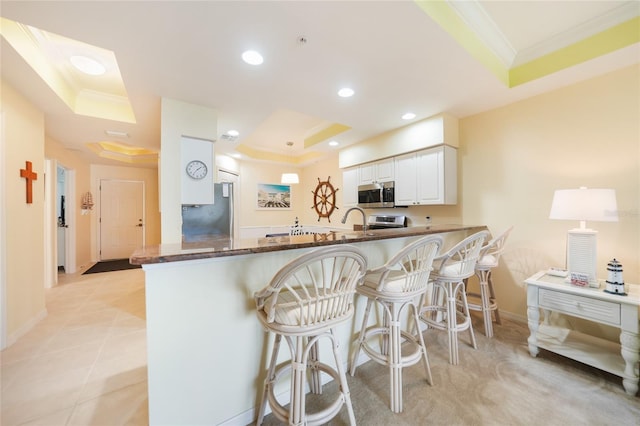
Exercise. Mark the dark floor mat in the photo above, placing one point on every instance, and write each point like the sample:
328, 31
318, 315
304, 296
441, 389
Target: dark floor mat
111, 265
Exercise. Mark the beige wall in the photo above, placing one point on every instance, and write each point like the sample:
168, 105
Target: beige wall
23, 227
252, 173
152, 213
54, 150
514, 157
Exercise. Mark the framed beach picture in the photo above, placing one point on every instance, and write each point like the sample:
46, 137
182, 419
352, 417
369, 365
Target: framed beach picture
273, 196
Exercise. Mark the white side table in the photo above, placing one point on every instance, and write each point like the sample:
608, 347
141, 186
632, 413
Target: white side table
552, 294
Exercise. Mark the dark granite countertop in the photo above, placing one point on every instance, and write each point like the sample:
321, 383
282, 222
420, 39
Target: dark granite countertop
221, 246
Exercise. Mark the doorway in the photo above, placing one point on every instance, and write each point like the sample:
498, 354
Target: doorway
59, 226
121, 218
61, 217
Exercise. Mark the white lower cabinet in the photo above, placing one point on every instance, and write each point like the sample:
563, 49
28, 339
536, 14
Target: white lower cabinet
426, 177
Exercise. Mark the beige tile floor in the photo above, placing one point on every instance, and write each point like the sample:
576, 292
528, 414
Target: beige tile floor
86, 362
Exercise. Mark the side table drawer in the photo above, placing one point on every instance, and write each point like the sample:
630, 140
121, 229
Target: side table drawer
583, 307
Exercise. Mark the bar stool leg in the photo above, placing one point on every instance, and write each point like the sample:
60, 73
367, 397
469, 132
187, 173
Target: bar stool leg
344, 386
359, 343
452, 328
268, 381
394, 352
465, 312
298, 370
423, 347
315, 378
493, 299
485, 300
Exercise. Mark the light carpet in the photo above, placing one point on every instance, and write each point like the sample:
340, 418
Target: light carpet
500, 383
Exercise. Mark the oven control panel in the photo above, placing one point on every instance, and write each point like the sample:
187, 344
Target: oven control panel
387, 221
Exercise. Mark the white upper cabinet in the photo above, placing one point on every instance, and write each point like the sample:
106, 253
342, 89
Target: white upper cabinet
426, 177
378, 171
406, 180
350, 180
197, 171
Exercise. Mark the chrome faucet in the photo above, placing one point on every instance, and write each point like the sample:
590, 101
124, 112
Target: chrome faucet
364, 217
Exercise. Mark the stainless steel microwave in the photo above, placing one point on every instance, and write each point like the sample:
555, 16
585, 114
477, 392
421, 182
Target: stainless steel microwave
376, 195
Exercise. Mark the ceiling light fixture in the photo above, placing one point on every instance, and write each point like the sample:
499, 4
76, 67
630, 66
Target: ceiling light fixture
345, 92
116, 134
231, 135
87, 65
408, 116
289, 178
252, 57
334, 143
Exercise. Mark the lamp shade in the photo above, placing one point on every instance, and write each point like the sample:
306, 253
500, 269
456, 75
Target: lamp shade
289, 178
585, 204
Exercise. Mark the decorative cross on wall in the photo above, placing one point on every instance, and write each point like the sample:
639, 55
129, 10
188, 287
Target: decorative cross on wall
30, 176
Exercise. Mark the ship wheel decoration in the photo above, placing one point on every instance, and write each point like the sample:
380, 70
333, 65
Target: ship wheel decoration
324, 199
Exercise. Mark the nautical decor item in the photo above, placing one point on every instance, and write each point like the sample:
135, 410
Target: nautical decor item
324, 199
87, 201
615, 283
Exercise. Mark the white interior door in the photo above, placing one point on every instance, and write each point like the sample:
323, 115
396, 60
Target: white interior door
121, 218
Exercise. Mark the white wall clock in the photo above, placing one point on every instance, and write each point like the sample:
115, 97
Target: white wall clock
196, 169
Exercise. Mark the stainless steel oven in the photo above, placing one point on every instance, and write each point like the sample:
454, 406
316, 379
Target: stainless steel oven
383, 221
376, 195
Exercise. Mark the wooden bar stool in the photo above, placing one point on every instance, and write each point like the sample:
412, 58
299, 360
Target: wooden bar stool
398, 284
303, 303
486, 301
442, 312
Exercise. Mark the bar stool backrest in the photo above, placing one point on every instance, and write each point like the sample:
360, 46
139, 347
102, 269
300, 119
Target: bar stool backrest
491, 252
408, 270
459, 261
314, 291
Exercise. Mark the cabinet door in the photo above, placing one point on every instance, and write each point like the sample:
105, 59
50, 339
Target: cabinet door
405, 187
384, 170
367, 174
430, 175
378, 171
350, 187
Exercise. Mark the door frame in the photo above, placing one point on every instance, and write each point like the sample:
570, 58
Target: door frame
144, 212
51, 222
3, 239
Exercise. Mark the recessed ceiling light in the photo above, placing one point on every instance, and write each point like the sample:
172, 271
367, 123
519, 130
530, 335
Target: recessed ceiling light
252, 57
233, 133
117, 134
408, 116
333, 143
87, 65
345, 92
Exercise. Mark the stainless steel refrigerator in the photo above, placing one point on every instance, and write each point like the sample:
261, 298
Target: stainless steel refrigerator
207, 220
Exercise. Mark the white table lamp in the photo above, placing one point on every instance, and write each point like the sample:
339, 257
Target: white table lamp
584, 204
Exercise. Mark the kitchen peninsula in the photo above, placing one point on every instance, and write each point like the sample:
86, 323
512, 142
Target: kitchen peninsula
205, 347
